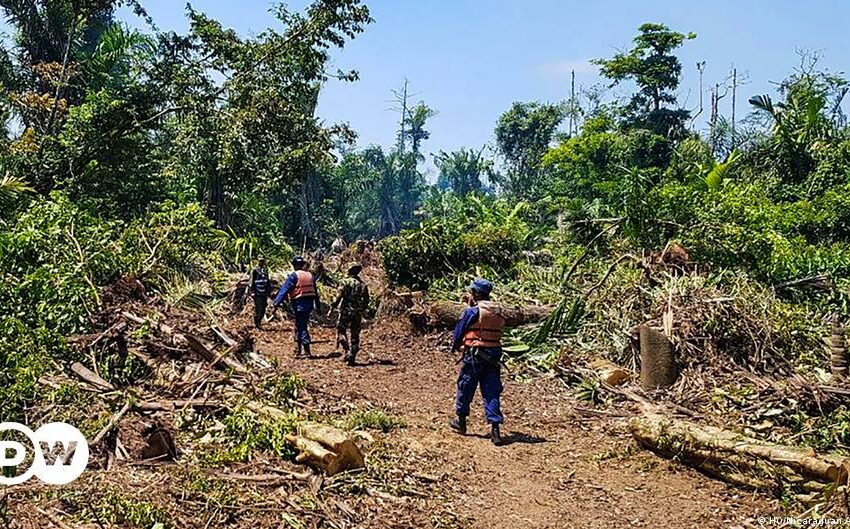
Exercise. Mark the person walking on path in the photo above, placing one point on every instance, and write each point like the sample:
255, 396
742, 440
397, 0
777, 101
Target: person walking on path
260, 290
478, 334
352, 302
300, 288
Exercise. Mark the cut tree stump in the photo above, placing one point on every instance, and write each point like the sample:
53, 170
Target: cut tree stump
444, 314
736, 458
326, 448
657, 361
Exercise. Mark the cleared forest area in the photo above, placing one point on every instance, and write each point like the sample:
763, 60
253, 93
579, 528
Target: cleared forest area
676, 299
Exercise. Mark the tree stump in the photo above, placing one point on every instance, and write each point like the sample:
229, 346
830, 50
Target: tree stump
657, 361
326, 448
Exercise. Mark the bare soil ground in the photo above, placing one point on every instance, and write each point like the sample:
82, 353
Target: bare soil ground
559, 468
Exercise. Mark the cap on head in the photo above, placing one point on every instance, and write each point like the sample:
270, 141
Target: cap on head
298, 261
354, 269
261, 259
481, 286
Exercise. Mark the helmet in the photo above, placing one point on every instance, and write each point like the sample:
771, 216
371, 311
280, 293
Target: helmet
481, 285
298, 261
354, 269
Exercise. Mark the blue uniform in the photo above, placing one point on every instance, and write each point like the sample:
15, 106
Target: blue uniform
302, 307
482, 368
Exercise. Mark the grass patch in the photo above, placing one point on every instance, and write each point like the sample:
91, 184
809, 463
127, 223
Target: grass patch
372, 419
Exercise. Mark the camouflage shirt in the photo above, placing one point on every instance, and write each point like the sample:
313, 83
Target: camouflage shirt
353, 296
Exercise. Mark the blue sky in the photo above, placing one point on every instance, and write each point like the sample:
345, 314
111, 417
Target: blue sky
470, 59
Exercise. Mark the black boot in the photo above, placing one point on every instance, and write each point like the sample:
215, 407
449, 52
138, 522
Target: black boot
459, 425
495, 435
306, 347
297, 349
350, 357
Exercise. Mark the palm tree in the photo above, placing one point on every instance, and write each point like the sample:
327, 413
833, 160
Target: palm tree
461, 171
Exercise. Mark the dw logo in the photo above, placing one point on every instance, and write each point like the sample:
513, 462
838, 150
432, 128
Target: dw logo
60, 453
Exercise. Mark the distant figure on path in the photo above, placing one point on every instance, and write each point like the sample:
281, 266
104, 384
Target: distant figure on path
479, 333
260, 290
352, 302
300, 288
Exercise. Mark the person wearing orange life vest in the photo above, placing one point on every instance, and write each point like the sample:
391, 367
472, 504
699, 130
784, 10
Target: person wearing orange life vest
300, 288
479, 333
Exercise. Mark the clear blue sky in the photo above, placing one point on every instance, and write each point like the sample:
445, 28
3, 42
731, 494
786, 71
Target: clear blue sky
470, 59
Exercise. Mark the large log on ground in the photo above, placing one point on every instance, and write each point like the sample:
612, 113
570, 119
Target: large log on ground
327, 448
444, 314
657, 362
736, 458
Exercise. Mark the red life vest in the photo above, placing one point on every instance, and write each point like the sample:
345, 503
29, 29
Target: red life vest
487, 331
305, 285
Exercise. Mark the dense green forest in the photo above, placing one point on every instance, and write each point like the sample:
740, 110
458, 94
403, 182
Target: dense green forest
175, 158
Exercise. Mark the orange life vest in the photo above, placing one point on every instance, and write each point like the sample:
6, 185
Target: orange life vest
487, 331
305, 285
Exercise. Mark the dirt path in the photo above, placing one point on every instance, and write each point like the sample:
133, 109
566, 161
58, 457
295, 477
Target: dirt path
558, 470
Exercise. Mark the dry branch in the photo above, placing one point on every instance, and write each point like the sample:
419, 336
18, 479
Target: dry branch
113, 422
93, 379
173, 405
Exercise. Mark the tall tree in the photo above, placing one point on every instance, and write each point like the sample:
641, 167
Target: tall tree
523, 135
652, 65
258, 128
415, 126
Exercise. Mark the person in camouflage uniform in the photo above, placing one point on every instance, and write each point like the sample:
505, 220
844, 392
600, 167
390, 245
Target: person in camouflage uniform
352, 302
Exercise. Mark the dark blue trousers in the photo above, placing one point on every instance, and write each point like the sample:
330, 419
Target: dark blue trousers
302, 331
475, 372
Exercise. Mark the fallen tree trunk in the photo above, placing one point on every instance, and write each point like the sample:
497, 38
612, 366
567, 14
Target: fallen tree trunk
736, 458
444, 314
326, 448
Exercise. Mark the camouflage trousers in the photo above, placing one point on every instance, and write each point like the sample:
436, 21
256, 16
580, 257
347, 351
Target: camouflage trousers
349, 322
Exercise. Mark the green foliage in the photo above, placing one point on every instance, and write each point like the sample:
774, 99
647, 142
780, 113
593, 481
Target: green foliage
479, 232
116, 508
285, 389
523, 135
462, 171
588, 390
595, 164
246, 432
372, 419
